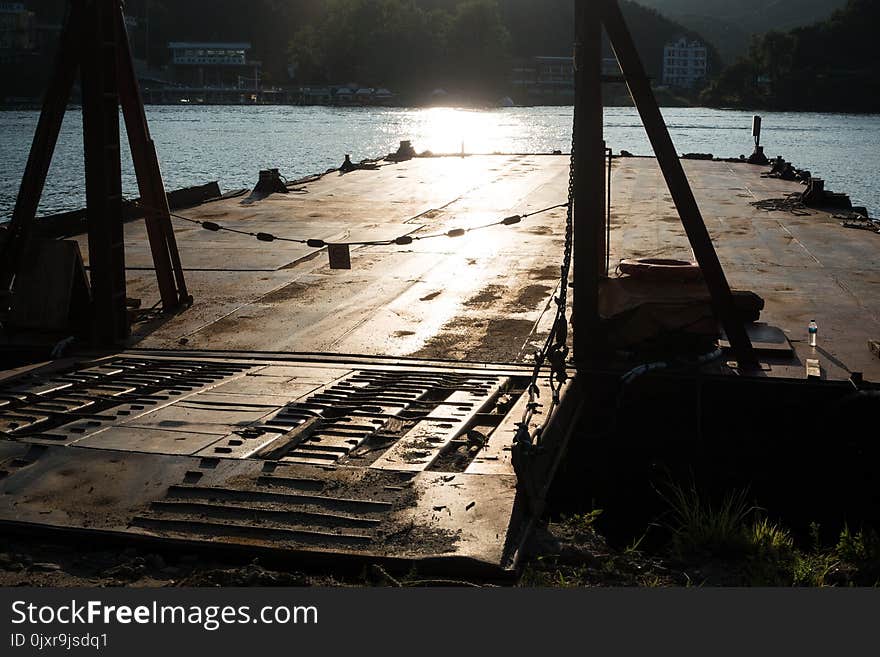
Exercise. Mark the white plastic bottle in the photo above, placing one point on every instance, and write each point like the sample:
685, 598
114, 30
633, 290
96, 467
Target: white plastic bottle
814, 332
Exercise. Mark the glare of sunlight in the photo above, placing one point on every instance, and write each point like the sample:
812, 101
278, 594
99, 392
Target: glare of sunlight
448, 130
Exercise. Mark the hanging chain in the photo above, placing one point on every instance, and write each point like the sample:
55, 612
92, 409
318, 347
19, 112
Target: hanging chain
555, 350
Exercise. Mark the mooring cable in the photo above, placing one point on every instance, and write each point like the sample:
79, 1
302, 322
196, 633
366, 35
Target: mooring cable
403, 240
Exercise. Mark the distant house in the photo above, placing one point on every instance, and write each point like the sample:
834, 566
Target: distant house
554, 71
363, 96
685, 63
544, 79
343, 96
383, 96
373, 97
552, 78
17, 31
315, 96
217, 65
764, 84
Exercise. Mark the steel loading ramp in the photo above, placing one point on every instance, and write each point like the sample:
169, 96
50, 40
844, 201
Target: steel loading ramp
367, 459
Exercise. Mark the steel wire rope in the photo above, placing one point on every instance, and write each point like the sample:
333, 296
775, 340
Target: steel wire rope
403, 240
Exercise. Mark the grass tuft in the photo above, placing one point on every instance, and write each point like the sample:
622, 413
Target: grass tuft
858, 547
700, 526
768, 537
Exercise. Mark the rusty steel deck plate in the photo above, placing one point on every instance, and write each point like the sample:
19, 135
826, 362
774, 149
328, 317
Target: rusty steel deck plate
359, 459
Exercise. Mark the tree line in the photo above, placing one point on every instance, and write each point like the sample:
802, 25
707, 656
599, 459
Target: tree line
832, 65
400, 44
466, 46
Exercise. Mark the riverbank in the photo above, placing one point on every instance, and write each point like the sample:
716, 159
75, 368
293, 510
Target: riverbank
615, 95
729, 105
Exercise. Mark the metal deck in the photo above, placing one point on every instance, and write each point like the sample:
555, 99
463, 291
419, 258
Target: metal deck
363, 460
483, 297
246, 420
487, 296
805, 266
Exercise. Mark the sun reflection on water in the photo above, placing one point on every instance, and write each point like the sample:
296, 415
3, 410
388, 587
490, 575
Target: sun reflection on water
448, 130
197, 144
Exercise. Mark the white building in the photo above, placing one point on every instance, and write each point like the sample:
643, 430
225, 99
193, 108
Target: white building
684, 63
217, 65
213, 54
16, 27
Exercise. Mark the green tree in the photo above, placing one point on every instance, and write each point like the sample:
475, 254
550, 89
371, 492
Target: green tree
478, 47
830, 66
773, 56
306, 55
400, 44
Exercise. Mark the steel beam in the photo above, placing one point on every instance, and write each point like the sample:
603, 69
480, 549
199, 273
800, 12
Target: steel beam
682, 195
589, 185
55, 102
166, 258
100, 103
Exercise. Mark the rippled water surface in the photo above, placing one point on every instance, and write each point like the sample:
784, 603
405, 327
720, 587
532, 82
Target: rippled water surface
230, 144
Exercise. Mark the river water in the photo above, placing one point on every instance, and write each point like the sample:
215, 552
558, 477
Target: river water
230, 144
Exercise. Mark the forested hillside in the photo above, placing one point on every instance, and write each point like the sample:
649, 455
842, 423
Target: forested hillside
832, 65
730, 24
405, 44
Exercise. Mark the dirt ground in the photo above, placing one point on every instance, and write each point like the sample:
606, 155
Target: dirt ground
31, 561
569, 552
566, 554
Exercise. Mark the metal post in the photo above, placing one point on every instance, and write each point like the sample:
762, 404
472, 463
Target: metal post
589, 185
163, 245
40, 157
95, 40
608, 154
682, 195
100, 103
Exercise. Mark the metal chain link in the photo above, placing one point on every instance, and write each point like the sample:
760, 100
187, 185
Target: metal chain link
555, 349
